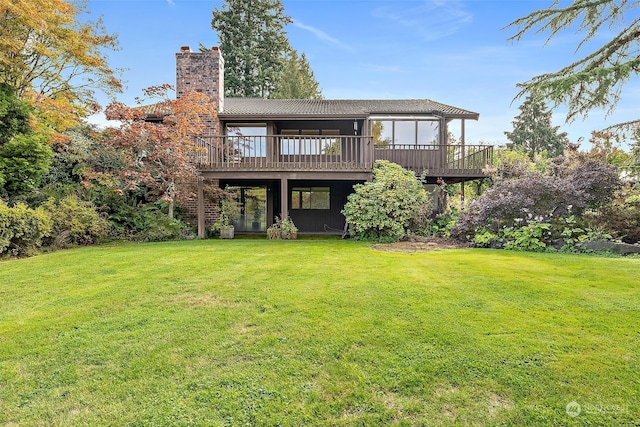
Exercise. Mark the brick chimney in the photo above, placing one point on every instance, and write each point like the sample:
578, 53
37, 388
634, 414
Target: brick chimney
201, 72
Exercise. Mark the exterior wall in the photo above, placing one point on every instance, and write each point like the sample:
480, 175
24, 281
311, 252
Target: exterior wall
316, 220
202, 72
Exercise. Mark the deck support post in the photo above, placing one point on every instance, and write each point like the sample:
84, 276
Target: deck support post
201, 225
284, 198
462, 195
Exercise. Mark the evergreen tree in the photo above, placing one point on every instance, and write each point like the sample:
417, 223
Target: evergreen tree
259, 61
596, 80
297, 80
253, 42
533, 132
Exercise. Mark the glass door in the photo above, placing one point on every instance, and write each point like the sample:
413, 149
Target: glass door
253, 214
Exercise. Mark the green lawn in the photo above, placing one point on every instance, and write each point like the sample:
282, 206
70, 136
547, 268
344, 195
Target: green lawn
317, 332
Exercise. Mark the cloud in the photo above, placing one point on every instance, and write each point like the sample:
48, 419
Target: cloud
431, 20
321, 35
171, 2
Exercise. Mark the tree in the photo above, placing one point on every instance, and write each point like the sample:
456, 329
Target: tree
159, 156
254, 44
54, 60
596, 80
24, 155
297, 80
533, 132
607, 146
259, 61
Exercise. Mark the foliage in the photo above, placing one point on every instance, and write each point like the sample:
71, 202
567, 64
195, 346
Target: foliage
254, 43
55, 58
24, 161
75, 222
15, 114
622, 217
607, 146
22, 229
158, 155
597, 79
383, 209
24, 156
296, 80
572, 185
282, 229
533, 132
229, 211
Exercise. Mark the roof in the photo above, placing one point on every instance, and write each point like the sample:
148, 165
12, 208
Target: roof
260, 108
292, 108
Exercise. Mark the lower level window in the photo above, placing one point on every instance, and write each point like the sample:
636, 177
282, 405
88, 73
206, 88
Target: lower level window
310, 198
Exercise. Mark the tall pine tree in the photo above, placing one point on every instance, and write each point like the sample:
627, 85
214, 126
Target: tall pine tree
259, 61
533, 131
297, 80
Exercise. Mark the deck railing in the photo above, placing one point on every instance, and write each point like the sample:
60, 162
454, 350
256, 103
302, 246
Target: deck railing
283, 152
349, 153
439, 159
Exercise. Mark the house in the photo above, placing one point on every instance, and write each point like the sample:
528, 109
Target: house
300, 158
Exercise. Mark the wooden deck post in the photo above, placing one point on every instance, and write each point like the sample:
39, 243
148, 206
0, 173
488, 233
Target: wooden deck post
201, 225
284, 198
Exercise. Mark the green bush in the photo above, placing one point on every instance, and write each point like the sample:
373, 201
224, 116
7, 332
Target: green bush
384, 208
150, 223
22, 229
75, 222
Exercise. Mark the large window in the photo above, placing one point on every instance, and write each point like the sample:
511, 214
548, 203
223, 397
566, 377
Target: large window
310, 198
404, 133
248, 140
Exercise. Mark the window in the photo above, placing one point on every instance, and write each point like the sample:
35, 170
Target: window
248, 139
310, 198
406, 132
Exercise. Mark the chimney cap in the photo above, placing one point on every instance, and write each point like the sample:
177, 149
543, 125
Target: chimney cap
215, 48
185, 49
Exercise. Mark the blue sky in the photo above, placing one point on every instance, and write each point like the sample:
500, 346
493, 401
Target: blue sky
451, 51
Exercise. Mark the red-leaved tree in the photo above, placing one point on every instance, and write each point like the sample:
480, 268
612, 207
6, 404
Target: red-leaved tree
159, 153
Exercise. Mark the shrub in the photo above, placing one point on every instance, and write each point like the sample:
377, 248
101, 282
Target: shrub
150, 223
75, 222
22, 229
383, 209
573, 185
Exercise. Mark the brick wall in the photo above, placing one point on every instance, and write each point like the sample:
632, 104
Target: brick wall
201, 72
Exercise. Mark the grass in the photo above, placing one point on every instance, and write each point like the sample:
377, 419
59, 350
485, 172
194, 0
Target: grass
316, 332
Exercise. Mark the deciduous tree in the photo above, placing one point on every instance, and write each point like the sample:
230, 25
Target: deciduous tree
54, 59
159, 155
24, 155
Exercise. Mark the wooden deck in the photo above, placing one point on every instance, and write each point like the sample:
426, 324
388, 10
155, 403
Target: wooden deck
279, 153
